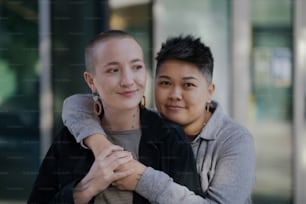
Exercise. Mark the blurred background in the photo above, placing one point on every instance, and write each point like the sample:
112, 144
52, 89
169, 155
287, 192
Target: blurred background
259, 48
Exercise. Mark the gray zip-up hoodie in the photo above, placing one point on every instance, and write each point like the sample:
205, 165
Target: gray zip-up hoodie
224, 152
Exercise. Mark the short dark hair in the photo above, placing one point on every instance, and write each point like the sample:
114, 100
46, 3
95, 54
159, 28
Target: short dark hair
103, 36
189, 49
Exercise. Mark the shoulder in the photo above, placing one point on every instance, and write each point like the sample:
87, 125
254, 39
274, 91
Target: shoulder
235, 137
65, 144
224, 128
64, 136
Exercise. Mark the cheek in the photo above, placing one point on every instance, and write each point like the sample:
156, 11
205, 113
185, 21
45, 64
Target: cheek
197, 99
103, 85
142, 79
160, 94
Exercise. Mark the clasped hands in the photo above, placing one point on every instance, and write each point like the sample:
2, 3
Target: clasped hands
112, 166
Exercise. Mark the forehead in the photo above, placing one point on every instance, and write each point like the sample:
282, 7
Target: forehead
178, 68
118, 49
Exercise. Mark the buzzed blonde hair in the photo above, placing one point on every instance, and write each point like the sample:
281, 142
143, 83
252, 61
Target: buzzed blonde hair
101, 37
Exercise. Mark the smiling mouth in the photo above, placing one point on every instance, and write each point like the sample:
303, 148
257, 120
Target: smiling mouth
128, 93
174, 107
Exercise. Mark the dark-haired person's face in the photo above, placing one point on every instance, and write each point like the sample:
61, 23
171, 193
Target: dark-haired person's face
120, 73
181, 92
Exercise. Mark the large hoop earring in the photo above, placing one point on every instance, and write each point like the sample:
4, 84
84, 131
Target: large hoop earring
97, 106
207, 107
143, 102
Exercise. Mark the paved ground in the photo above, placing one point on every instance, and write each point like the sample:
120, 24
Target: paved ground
274, 163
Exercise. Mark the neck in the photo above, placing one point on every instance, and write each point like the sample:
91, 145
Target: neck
193, 129
118, 120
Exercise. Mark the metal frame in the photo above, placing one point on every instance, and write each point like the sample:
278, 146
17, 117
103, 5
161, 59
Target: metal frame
240, 56
46, 98
299, 102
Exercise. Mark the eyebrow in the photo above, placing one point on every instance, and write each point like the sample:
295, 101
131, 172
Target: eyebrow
136, 60
184, 78
116, 63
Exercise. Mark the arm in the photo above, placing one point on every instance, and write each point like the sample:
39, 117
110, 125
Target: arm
232, 181
82, 122
102, 173
57, 181
80, 119
177, 160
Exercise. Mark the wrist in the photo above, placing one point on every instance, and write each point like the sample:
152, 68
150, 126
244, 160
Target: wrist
96, 143
82, 193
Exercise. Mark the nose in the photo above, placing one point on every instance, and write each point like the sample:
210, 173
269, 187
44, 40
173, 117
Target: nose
175, 94
127, 78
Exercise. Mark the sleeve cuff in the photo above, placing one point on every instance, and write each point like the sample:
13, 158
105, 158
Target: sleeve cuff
152, 183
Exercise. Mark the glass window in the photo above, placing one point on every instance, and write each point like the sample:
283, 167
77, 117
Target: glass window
271, 99
19, 82
135, 17
200, 19
71, 31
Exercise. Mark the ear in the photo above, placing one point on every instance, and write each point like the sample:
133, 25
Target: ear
211, 90
90, 81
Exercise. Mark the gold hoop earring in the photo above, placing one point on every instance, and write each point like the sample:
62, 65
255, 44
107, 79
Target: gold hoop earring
207, 107
97, 106
143, 102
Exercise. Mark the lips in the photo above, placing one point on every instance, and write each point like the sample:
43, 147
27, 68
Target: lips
128, 93
174, 107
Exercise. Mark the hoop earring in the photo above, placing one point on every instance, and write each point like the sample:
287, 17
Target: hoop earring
97, 106
143, 102
207, 107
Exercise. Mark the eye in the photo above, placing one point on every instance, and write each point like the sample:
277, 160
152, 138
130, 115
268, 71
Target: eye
188, 85
164, 83
112, 70
138, 67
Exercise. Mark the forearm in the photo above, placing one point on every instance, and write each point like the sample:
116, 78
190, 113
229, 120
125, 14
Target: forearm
78, 116
82, 122
97, 143
158, 187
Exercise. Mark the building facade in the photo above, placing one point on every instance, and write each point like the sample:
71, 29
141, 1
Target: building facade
259, 48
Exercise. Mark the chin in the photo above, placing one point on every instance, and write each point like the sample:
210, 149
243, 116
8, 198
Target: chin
174, 119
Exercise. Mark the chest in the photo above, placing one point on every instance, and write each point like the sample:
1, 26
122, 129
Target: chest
206, 155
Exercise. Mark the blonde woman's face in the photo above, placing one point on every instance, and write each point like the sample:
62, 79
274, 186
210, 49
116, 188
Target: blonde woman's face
120, 73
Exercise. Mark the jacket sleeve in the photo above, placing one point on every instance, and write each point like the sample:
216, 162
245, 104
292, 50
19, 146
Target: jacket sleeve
158, 187
46, 188
78, 116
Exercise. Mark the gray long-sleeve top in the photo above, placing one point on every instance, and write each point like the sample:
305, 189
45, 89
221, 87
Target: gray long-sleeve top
224, 152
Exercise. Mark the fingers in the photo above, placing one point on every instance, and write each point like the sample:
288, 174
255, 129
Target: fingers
108, 151
118, 158
103, 171
122, 174
99, 178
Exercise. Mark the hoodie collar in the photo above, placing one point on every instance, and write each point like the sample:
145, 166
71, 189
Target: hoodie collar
209, 131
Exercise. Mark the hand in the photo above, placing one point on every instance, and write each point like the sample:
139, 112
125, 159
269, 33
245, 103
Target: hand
102, 173
129, 182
